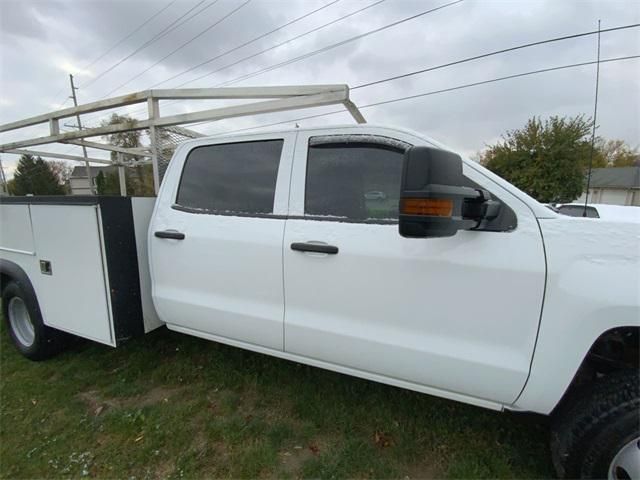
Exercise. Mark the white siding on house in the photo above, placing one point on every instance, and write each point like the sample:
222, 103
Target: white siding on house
79, 186
612, 196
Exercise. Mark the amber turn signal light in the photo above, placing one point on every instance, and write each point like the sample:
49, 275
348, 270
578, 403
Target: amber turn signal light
434, 207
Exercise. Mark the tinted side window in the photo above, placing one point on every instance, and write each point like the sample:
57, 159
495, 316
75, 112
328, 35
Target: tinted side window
231, 178
360, 180
357, 181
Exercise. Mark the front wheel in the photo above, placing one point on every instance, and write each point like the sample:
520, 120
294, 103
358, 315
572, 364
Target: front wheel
598, 434
29, 334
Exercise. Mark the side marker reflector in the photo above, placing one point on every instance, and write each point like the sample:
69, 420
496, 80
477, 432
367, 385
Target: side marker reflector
433, 207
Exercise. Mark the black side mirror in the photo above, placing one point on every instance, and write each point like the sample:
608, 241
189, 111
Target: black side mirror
433, 200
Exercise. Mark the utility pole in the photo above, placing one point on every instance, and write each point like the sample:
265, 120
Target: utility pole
5, 188
84, 149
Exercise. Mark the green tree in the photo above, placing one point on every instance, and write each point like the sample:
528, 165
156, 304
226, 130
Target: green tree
139, 178
547, 159
616, 153
35, 176
108, 183
62, 170
128, 139
11, 186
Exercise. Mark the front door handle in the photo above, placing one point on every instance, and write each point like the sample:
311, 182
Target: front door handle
170, 234
314, 247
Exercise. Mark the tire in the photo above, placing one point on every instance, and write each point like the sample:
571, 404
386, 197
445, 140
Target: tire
598, 425
29, 334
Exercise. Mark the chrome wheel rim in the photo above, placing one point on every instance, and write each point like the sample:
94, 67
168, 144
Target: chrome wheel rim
626, 463
21, 322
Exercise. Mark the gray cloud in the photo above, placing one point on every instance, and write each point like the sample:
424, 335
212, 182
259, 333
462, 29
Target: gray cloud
40, 41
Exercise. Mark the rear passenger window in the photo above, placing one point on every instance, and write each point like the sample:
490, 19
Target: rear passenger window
353, 180
231, 178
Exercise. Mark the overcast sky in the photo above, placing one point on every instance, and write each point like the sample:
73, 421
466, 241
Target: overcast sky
41, 42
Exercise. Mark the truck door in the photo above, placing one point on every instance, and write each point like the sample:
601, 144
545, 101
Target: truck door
458, 314
215, 239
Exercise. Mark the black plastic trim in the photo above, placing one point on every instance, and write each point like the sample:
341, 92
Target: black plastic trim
314, 247
322, 218
169, 234
122, 267
204, 211
52, 200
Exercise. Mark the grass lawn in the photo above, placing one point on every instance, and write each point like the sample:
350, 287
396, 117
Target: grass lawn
172, 406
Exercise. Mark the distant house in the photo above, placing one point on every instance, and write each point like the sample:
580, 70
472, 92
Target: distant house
614, 186
78, 182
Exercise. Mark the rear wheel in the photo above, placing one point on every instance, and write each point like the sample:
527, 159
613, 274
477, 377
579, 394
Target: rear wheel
597, 434
29, 334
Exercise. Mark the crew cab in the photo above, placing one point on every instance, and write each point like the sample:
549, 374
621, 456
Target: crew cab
371, 251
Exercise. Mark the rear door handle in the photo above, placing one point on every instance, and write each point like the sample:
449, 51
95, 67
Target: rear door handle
170, 234
314, 247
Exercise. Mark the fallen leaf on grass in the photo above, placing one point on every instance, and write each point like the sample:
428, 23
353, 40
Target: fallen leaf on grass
381, 439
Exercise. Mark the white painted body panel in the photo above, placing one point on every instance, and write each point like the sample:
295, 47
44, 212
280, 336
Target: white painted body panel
458, 314
142, 209
16, 235
74, 299
225, 277
225, 284
341, 369
593, 286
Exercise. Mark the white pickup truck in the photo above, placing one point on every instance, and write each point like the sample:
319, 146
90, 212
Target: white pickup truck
371, 251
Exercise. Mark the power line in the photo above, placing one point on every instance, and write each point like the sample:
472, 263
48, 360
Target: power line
335, 45
433, 92
343, 17
321, 50
292, 39
495, 52
206, 62
130, 34
468, 59
119, 42
162, 33
181, 46
472, 58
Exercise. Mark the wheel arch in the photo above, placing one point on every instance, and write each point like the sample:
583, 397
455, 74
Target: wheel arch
615, 349
11, 271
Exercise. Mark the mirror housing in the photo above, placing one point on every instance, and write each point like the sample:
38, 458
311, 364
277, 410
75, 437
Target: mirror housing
433, 199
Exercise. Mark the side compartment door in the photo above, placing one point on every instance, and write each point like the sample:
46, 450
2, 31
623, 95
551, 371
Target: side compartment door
458, 314
216, 237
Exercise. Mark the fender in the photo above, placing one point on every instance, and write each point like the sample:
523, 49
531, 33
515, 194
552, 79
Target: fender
592, 287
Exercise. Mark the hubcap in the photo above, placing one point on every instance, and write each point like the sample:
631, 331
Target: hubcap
626, 464
21, 322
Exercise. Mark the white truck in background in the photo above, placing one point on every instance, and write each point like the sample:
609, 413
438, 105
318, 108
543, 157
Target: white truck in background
371, 251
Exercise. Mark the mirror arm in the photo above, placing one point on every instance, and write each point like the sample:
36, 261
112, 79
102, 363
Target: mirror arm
481, 208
